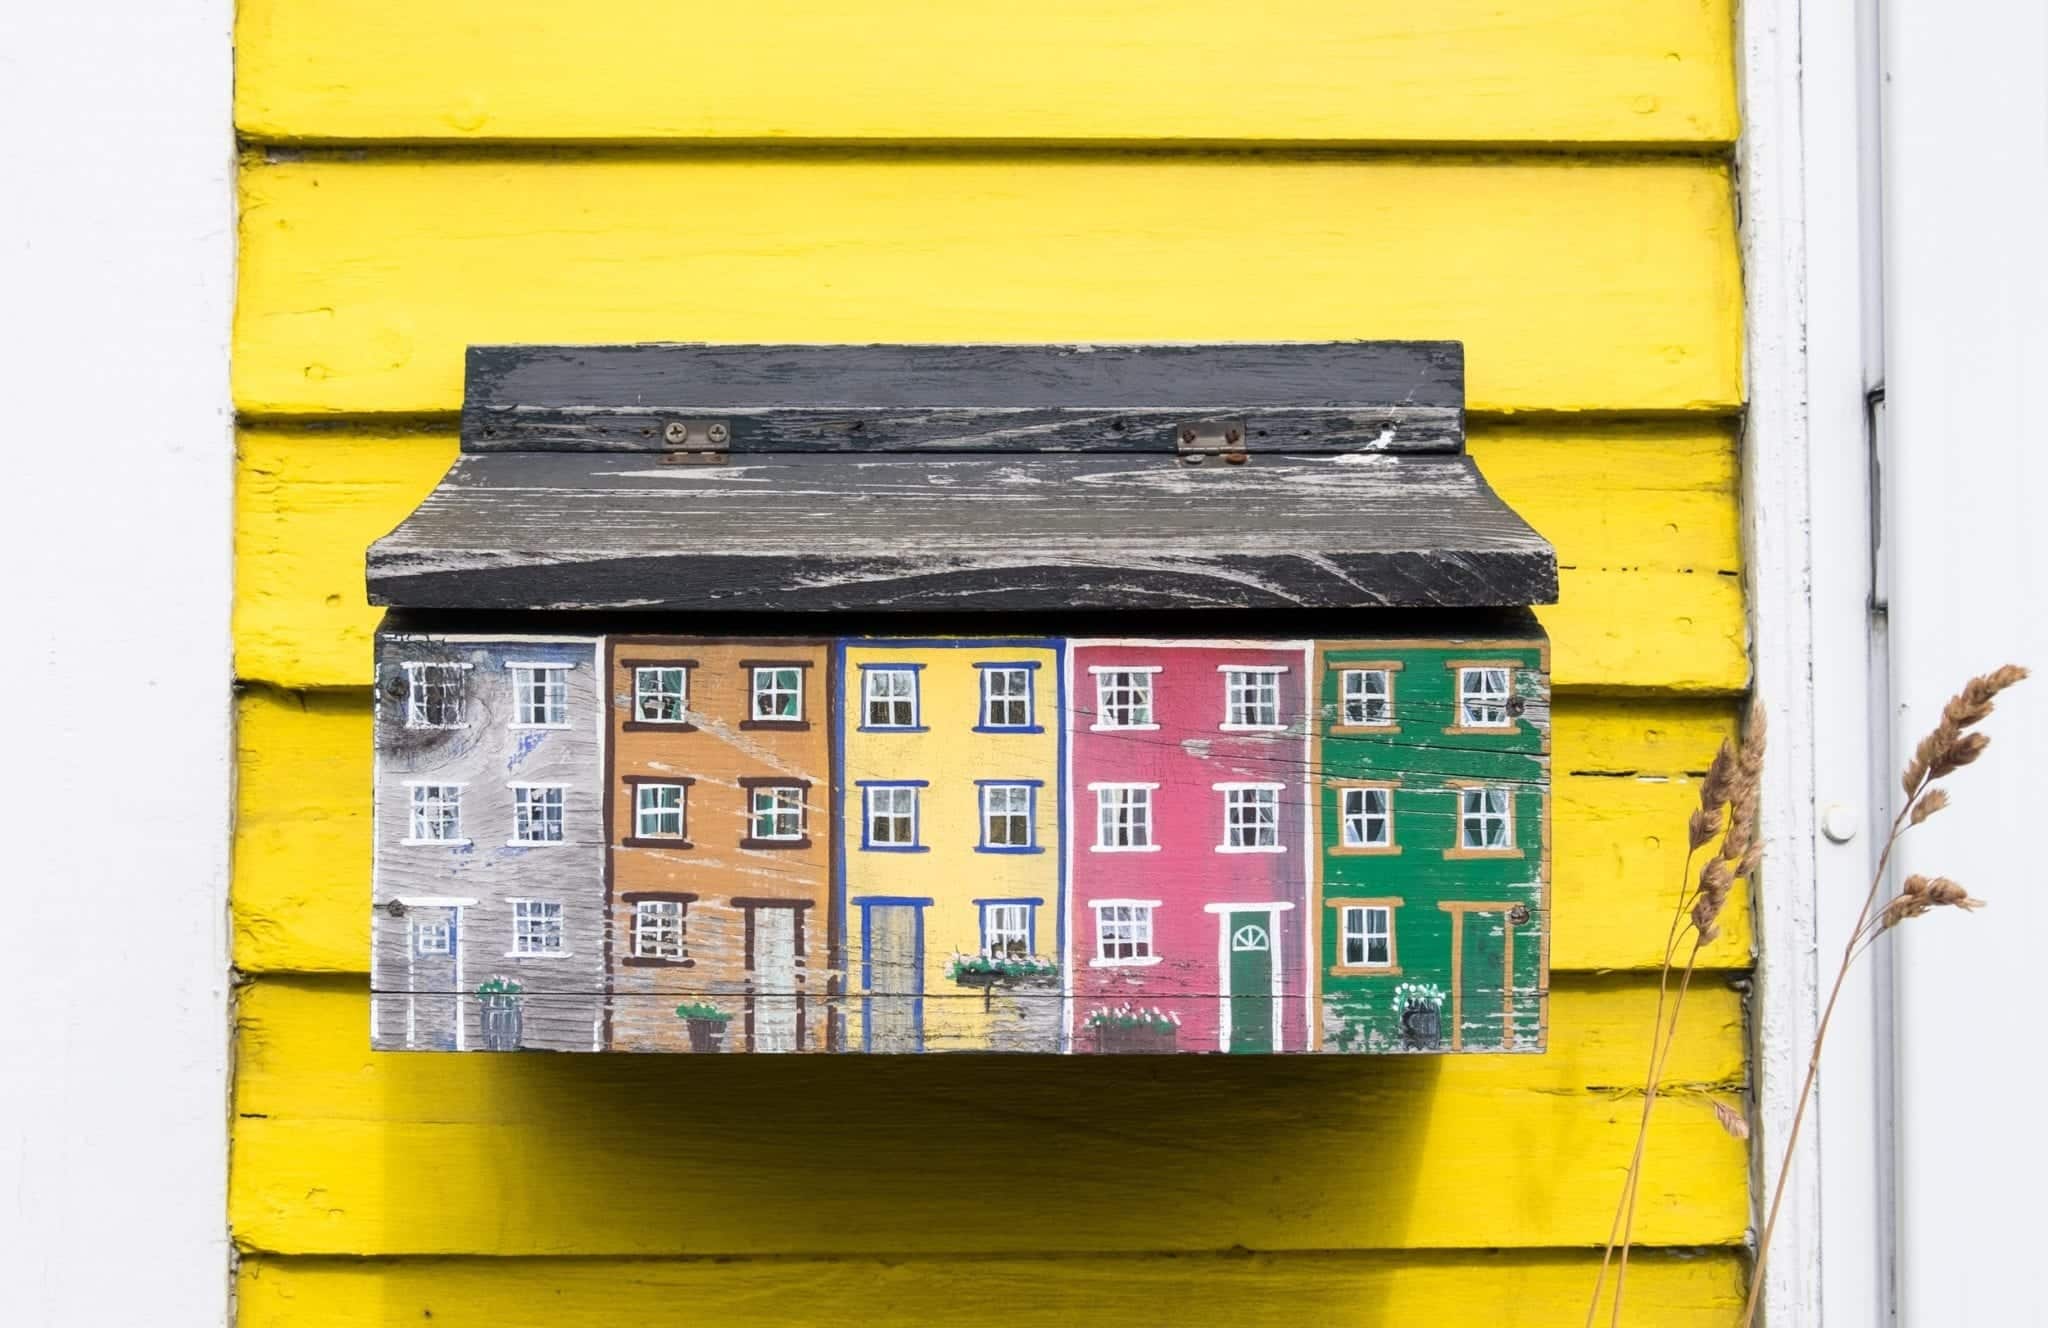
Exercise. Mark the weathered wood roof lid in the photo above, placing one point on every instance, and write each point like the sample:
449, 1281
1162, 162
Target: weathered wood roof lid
978, 478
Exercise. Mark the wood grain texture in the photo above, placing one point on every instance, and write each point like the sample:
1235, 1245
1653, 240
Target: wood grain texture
1607, 285
1643, 517
1444, 1288
896, 534
340, 1150
1624, 780
1607, 72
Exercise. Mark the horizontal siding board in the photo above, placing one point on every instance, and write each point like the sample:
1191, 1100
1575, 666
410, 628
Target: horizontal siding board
1606, 284
1625, 780
343, 1151
1443, 1288
1644, 519
1615, 72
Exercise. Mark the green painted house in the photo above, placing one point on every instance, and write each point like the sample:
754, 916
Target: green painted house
1432, 872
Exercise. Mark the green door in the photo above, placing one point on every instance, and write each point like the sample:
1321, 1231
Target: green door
1250, 939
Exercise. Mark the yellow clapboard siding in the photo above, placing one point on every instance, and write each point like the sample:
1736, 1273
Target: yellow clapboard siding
1632, 72
302, 830
1576, 284
343, 1151
1644, 519
1445, 1289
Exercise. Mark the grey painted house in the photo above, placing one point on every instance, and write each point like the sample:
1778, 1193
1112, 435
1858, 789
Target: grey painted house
490, 845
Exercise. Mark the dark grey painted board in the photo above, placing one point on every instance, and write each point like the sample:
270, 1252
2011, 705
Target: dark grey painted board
1329, 396
783, 533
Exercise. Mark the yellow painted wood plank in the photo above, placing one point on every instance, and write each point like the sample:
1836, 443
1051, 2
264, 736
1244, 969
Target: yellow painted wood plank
1445, 1289
339, 1150
1631, 72
1576, 284
1644, 519
1625, 778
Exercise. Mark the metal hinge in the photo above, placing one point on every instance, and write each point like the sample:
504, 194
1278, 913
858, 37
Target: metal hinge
1206, 438
696, 442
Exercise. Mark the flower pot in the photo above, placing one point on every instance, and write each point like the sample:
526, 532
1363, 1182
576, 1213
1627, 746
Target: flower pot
1421, 1027
1136, 1040
706, 1034
502, 1022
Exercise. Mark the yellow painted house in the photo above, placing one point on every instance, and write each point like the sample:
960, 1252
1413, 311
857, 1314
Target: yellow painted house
949, 845
1547, 182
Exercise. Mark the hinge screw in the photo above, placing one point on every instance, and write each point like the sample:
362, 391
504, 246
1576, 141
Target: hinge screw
1187, 433
718, 433
676, 432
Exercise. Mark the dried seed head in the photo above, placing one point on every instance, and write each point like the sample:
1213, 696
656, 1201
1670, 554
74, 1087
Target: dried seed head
1972, 705
1731, 1120
1961, 752
1930, 802
1705, 824
1747, 864
1752, 760
1948, 748
1921, 894
1720, 780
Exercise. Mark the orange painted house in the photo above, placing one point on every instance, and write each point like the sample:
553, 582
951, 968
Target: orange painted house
718, 871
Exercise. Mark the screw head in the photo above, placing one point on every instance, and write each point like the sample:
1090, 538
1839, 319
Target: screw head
675, 431
1187, 433
1519, 915
1233, 436
718, 433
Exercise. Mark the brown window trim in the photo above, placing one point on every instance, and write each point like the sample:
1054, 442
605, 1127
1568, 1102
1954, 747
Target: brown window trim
683, 897
1393, 904
760, 901
773, 781
1390, 667
783, 725
684, 780
657, 663
1514, 726
634, 841
777, 664
805, 842
640, 961
657, 726
658, 896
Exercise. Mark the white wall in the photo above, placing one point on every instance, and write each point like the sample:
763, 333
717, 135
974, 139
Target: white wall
116, 254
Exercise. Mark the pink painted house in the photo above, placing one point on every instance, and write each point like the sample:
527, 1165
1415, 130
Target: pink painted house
1189, 846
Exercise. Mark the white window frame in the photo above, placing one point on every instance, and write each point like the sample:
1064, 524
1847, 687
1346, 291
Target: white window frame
433, 938
1365, 816
544, 682
1131, 798
1365, 935
783, 800
1028, 815
872, 813
1110, 680
1138, 919
522, 814
1244, 697
1365, 697
527, 916
989, 699
1475, 698
995, 927
663, 912
416, 693
447, 797
642, 692
1241, 803
756, 690
641, 811
872, 696
1470, 819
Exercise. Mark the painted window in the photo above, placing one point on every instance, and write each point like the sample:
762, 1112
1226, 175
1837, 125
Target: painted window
436, 814
661, 695
1483, 698
1123, 932
891, 816
1368, 697
1368, 936
889, 698
776, 813
1006, 930
537, 814
540, 696
778, 694
1006, 698
658, 811
1251, 818
1251, 698
1368, 818
537, 927
1487, 818
433, 938
658, 929
434, 696
1123, 821
1123, 698
1006, 819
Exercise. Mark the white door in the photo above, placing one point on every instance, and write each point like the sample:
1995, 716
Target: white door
775, 998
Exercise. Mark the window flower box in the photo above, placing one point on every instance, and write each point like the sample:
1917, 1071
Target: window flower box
1130, 1031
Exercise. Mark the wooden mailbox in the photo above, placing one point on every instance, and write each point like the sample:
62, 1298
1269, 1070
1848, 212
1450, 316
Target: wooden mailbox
977, 698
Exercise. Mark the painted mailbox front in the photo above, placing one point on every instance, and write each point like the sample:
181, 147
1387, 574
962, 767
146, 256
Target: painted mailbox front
1033, 844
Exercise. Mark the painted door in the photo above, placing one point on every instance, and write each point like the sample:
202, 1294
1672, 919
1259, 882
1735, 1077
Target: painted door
894, 947
1485, 990
1250, 980
434, 937
774, 963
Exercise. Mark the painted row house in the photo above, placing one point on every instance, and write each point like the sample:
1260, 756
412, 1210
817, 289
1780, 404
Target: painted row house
653, 843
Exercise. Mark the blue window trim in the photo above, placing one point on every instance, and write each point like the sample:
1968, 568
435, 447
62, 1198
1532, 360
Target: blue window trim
1031, 812
867, 964
981, 907
916, 844
981, 724
916, 724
